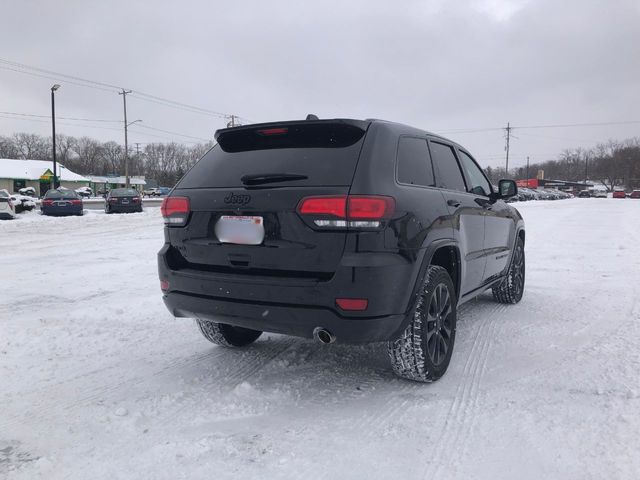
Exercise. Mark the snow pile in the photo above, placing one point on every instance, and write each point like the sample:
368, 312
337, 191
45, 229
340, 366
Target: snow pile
99, 381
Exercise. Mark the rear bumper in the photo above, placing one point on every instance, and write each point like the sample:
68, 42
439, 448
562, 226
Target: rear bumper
286, 319
62, 210
296, 306
125, 208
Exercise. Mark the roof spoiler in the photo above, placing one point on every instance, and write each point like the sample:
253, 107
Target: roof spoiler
361, 124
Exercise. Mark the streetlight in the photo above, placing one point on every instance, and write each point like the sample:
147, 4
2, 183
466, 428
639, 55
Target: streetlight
53, 127
126, 150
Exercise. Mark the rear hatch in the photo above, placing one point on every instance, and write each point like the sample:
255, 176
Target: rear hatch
262, 172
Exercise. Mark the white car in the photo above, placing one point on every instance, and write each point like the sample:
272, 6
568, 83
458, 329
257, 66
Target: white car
599, 193
84, 192
7, 210
30, 191
22, 202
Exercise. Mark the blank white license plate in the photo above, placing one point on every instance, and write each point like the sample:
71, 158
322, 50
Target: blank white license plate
242, 230
125, 201
61, 204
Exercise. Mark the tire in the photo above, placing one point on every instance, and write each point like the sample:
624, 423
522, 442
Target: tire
512, 287
227, 335
423, 351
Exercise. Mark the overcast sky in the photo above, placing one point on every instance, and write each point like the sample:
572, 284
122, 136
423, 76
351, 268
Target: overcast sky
438, 65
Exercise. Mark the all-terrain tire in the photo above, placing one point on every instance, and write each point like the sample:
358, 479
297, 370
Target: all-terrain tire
511, 288
413, 354
227, 335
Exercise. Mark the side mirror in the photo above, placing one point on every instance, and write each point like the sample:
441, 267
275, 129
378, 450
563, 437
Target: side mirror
507, 188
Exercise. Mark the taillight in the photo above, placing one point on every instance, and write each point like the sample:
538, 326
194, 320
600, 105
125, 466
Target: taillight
352, 211
47, 202
135, 199
175, 210
164, 285
76, 202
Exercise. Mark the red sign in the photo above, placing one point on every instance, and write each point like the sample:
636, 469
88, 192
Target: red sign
530, 183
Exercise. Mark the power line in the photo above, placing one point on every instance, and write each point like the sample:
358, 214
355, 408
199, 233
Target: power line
41, 72
64, 118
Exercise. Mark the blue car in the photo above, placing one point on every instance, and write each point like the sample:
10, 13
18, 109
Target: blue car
61, 202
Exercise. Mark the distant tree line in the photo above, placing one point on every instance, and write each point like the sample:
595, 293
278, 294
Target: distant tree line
613, 163
163, 162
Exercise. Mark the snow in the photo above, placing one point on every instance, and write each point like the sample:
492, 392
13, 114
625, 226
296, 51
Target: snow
34, 169
99, 381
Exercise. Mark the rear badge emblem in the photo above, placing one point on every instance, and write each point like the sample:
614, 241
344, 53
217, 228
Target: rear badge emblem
234, 199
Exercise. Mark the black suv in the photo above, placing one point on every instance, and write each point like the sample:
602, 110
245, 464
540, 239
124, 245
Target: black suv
341, 230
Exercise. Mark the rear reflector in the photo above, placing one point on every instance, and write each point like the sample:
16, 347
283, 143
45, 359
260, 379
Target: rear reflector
175, 210
352, 304
164, 285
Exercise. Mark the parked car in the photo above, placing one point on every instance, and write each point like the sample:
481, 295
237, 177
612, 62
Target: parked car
61, 202
599, 193
22, 203
84, 192
122, 200
306, 228
156, 192
29, 191
635, 194
619, 193
584, 194
7, 209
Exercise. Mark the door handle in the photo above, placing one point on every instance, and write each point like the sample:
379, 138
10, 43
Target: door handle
453, 203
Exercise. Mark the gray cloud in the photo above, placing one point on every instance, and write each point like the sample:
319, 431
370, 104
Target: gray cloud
438, 65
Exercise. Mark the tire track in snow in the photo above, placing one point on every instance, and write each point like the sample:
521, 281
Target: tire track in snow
463, 411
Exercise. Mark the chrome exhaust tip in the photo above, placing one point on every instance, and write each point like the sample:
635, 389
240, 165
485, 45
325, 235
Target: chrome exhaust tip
323, 335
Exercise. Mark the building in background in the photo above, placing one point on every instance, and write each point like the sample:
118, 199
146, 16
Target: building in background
16, 174
101, 183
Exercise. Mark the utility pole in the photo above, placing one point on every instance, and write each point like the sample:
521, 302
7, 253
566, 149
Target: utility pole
527, 170
508, 129
126, 146
137, 149
53, 137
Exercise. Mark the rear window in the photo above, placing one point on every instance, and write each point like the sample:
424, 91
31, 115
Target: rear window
65, 194
123, 192
325, 153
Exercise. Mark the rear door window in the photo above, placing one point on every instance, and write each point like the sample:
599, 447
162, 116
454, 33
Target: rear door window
479, 183
414, 162
324, 153
448, 173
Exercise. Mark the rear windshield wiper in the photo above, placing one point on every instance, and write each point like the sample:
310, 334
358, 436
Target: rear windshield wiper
262, 178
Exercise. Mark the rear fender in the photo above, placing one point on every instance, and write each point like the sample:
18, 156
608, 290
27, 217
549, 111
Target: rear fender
429, 251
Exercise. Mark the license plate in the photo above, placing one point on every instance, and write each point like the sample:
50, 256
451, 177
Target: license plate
242, 230
62, 204
125, 201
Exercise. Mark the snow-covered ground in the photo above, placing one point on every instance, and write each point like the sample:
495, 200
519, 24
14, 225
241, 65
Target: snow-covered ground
98, 381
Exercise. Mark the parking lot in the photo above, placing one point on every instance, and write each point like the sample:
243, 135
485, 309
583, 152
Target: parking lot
100, 381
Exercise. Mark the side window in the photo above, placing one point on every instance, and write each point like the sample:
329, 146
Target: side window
448, 174
479, 184
414, 162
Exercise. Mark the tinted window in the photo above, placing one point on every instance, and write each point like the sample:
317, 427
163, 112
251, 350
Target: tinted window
479, 184
123, 192
326, 154
64, 194
414, 162
448, 174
